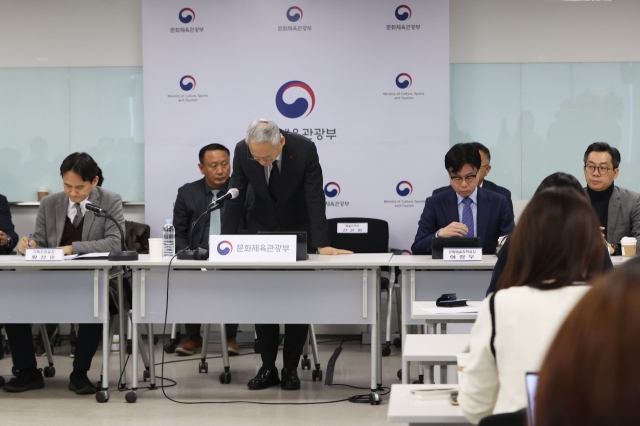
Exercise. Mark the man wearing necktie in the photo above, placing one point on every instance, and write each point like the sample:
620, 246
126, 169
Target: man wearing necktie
464, 209
192, 200
63, 222
284, 170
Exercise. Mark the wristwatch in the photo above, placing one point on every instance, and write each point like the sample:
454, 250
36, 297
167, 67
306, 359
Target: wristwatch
8, 241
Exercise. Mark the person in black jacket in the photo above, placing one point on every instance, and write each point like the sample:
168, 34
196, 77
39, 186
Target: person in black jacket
8, 236
555, 180
284, 170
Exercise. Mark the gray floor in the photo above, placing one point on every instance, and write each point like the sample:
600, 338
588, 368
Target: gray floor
55, 405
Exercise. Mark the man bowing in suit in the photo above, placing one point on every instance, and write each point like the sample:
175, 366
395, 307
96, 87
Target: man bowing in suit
284, 170
63, 222
463, 210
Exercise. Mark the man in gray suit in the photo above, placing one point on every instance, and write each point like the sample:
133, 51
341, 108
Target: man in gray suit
62, 222
617, 208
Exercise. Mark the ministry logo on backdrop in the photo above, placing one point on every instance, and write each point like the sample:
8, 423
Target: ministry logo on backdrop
404, 188
294, 14
403, 13
224, 248
332, 190
187, 16
300, 106
403, 81
187, 83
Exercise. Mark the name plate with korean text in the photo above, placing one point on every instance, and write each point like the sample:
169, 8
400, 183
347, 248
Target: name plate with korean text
462, 254
353, 228
252, 248
44, 255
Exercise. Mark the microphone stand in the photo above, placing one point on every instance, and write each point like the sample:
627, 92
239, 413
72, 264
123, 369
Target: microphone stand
200, 253
116, 256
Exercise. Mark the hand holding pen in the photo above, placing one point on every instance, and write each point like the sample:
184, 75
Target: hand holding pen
26, 242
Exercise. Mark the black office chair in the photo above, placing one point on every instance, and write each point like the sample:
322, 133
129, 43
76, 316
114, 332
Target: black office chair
375, 240
519, 418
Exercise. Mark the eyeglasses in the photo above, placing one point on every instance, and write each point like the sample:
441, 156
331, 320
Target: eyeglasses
486, 165
603, 170
467, 178
252, 157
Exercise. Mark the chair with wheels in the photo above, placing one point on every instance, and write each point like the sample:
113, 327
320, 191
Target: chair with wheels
370, 236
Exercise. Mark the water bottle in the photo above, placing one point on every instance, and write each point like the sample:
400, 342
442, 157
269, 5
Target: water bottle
168, 239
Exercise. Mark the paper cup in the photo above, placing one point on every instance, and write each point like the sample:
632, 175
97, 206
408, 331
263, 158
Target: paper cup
463, 361
628, 246
155, 248
42, 192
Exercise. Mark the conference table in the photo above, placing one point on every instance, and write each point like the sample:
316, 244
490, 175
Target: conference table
68, 292
324, 289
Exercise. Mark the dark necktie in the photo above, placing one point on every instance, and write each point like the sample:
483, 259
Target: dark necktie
467, 216
78, 218
274, 179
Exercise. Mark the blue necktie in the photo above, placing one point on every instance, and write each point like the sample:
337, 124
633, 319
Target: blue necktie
274, 178
214, 221
467, 216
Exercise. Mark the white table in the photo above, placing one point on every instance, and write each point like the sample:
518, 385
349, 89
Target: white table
71, 291
405, 409
341, 289
435, 349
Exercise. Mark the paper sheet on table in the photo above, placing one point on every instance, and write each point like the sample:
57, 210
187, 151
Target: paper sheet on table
458, 310
87, 256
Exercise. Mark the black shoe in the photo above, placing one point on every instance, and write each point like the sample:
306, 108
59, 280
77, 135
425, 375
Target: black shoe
80, 383
290, 380
266, 377
26, 379
72, 351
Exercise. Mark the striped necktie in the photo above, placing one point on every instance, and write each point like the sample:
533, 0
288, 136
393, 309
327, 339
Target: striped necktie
214, 221
467, 216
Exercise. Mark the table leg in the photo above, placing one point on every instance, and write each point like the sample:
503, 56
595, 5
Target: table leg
406, 315
379, 326
152, 357
122, 317
103, 393
374, 397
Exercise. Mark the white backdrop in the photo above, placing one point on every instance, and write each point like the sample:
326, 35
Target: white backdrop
367, 81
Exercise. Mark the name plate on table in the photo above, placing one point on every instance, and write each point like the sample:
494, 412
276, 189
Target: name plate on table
462, 254
252, 248
353, 228
44, 255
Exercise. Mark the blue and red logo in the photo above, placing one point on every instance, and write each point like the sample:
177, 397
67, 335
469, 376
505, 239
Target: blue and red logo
300, 106
332, 189
187, 83
187, 15
404, 188
296, 15
404, 81
403, 12
224, 248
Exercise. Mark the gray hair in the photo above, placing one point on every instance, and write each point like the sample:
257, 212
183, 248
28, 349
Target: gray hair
263, 131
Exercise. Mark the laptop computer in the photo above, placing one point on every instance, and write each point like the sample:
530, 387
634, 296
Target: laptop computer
301, 242
438, 244
531, 380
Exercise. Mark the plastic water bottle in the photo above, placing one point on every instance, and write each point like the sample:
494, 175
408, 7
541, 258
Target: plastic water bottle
168, 239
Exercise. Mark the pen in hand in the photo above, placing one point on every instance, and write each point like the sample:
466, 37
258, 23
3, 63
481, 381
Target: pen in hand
29, 240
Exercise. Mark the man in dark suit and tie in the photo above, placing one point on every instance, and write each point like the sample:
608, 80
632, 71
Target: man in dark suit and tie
485, 168
8, 236
464, 209
193, 199
284, 170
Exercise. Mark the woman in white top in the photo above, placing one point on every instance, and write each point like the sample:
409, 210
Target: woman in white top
556, 246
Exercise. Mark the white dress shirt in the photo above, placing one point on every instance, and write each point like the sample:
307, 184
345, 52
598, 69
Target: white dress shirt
71, 210
267, 169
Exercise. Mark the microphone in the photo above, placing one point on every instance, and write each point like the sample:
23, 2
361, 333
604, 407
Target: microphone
114, 255
231, 194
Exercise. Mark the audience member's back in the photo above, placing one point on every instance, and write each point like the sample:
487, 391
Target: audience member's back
590, 376
555, 248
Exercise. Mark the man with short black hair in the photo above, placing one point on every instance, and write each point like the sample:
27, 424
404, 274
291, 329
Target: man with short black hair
485, 168
62, 222
617, 208
464, 209
193, 199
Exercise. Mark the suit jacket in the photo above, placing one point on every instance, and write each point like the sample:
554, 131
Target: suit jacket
190, 204
491, 187
98, 234
6, 225
494, 219
624, 216
301, 200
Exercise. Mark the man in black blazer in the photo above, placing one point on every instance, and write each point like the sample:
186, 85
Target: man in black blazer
284, 170
485, 168
464, 209
8, 236
193, 199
